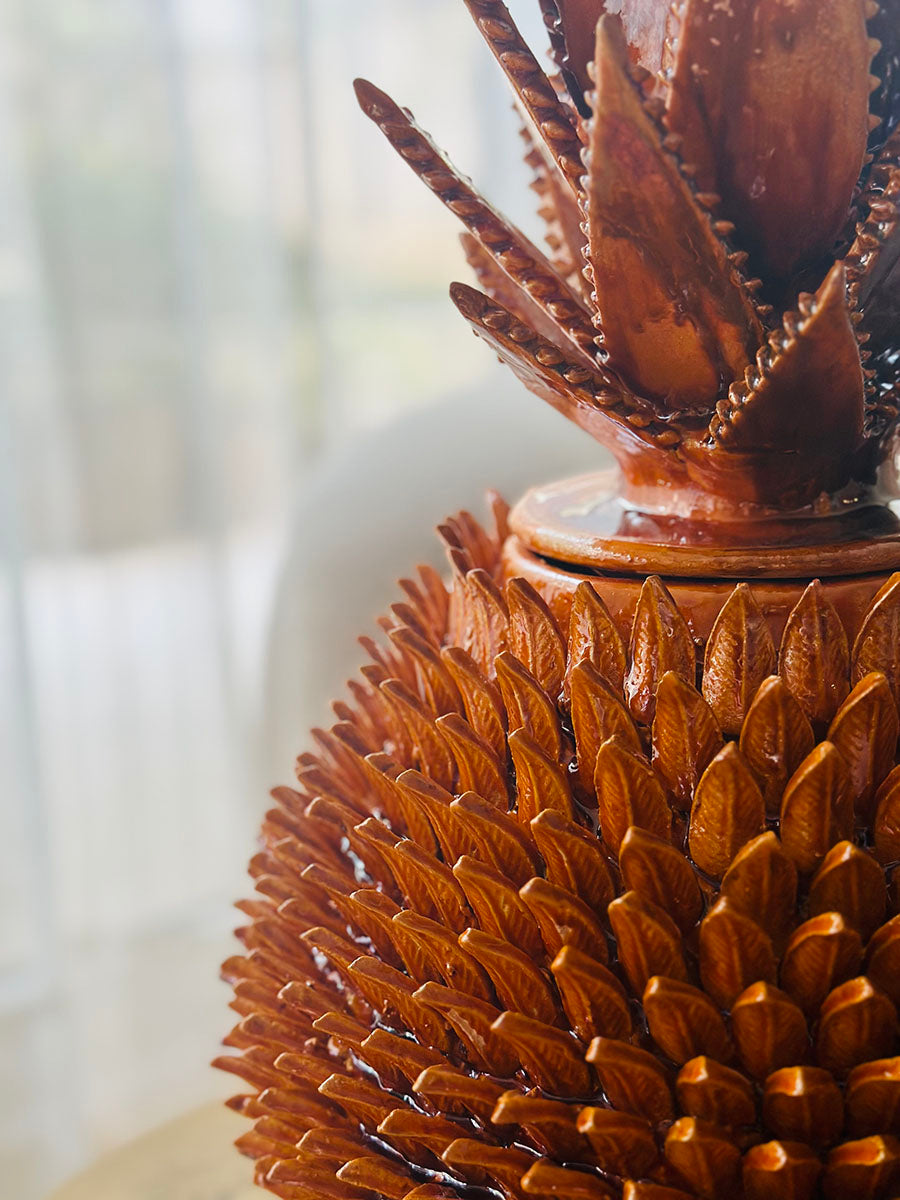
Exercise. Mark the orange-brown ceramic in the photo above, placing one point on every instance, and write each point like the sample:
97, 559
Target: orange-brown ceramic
592, 890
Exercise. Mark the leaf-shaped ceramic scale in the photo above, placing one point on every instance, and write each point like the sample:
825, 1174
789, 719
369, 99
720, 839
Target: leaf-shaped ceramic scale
593, 888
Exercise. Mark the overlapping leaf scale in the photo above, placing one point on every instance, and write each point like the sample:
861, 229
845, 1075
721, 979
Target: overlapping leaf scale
523, 914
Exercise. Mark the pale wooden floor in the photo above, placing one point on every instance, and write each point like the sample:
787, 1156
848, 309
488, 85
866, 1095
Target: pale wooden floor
189, 1158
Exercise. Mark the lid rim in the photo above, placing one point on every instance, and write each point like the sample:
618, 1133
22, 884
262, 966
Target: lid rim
582, 523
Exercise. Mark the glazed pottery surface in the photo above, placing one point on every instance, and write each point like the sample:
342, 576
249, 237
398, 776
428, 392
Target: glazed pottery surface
592, 890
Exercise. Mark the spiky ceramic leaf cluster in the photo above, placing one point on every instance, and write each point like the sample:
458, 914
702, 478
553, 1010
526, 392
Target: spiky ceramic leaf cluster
720, 183
556, 911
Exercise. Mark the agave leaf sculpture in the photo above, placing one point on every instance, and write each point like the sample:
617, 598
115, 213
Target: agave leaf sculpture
592, 890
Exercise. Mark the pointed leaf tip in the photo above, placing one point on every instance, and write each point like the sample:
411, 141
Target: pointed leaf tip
468, 300
772, 101
686, 325
526, 266
593, 399
646, 25
371, 99
802, 404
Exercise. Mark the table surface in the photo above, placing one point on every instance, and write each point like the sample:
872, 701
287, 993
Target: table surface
190, 1158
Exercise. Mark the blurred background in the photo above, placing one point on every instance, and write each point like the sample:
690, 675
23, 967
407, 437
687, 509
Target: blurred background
234, 400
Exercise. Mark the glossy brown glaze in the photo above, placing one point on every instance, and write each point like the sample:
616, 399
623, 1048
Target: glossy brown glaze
593, 888
593, 522
577, 902
700, 599
693, 137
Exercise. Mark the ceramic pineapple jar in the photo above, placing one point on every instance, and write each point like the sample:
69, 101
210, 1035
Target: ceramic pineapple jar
592, 890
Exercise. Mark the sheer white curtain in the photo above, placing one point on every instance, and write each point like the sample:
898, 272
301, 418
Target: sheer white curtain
211, 273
